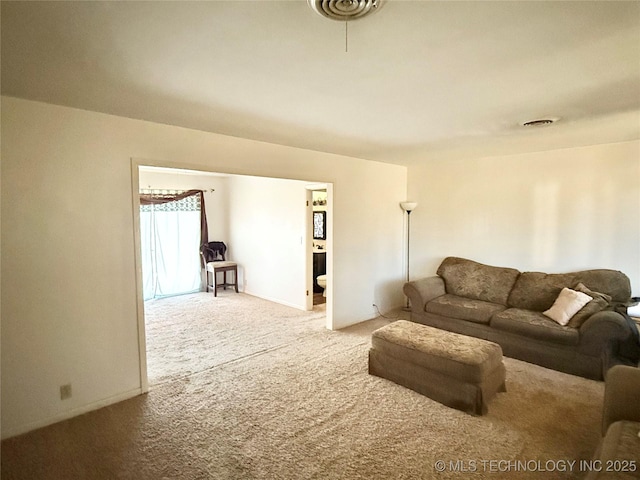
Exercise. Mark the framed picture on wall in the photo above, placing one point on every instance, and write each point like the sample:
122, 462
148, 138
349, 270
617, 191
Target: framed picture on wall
319, 225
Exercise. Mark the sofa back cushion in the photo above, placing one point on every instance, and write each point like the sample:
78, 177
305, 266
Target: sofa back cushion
537, 291
470, 279
611, 282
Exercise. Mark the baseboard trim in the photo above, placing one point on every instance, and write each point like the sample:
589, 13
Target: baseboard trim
71, 413
275, 300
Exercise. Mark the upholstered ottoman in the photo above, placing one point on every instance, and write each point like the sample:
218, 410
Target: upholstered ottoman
458, 371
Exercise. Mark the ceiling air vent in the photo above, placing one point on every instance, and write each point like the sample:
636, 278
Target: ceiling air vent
540, 122
345, 10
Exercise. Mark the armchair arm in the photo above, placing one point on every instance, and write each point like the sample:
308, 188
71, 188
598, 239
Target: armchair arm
422, 291
621, 393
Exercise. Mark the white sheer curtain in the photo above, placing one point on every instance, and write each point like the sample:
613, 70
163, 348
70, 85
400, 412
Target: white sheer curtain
170, 237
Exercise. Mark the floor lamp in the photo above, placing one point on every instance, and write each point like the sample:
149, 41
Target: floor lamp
408, 207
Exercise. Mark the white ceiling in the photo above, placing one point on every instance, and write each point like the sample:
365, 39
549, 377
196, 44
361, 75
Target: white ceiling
420, 80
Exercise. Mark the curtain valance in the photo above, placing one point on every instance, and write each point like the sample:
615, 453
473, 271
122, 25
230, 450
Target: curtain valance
162, 198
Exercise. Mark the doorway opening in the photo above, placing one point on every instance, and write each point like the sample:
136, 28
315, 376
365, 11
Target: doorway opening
261, 225
318, 227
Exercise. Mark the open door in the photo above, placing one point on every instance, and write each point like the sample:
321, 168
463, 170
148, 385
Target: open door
319, 241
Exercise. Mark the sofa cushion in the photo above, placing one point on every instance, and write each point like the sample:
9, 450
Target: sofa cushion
621, 443
537, 291
477, 311
610, 282
534, 325
477, 281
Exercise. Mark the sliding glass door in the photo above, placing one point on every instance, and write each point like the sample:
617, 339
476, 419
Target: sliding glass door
170, 238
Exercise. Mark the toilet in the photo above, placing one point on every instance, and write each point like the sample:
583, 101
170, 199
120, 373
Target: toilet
322, 281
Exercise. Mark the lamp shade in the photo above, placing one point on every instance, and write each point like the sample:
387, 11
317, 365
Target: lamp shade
408, 206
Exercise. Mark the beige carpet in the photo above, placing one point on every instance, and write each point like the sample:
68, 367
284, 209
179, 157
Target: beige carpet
245, 389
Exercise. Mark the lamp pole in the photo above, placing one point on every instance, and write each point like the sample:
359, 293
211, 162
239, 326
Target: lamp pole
408, 207
408, 240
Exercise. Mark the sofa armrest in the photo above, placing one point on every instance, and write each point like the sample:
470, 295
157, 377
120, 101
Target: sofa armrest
603, 327
422, 291
612, 337
621, 393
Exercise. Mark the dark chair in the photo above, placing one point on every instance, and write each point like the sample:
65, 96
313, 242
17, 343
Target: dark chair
214, 261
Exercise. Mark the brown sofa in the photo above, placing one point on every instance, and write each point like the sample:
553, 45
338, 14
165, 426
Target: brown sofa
505, 306
618, 454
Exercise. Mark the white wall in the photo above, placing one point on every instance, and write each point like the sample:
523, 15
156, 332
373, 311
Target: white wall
69, 306
553, 211
268, 237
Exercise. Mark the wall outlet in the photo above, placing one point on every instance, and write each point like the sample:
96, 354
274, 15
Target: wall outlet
65, 391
